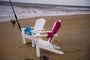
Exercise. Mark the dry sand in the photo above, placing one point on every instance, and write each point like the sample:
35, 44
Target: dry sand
74, 39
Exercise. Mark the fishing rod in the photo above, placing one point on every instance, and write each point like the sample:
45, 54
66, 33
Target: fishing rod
13, 21
15, 15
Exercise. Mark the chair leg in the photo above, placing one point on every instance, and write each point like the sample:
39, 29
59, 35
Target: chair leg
33, 43
37, 50
23, 38
23, 41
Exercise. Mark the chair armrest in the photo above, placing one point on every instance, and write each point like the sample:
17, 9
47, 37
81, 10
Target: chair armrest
44, 35
23, 28
40, 35
43, 31
40, 31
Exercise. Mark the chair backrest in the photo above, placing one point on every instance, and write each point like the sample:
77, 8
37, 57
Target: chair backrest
55, 28
39, 24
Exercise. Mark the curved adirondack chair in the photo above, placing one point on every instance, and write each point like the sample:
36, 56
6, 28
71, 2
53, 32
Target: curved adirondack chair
39, 26
47, 45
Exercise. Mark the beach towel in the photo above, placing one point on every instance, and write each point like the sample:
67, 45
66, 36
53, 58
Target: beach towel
55, 29
28, 30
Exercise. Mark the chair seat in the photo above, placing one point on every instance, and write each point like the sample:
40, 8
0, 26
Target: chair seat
44, 42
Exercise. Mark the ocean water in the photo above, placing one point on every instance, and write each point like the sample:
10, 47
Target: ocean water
27, 10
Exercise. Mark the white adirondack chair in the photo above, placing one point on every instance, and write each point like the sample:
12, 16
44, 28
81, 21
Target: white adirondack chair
47, 45
39, 24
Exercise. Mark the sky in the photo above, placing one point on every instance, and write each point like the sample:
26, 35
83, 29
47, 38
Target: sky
56, 2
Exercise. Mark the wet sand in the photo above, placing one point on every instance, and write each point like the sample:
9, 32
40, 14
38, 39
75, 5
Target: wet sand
74, 39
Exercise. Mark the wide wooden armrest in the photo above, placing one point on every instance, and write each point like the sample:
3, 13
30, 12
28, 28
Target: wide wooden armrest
44, 35
23, 28
40, 35
40, 31
43, 31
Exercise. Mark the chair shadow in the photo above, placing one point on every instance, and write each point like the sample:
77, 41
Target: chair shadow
28, 44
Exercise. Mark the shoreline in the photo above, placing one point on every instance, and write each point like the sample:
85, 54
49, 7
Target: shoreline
24, 10
8, 18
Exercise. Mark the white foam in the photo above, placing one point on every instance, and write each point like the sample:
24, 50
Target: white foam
7, 13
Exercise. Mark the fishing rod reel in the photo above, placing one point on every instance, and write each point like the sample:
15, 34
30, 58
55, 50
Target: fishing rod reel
13, 22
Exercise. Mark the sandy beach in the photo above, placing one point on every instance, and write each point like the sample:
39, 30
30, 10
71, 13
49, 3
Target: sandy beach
74, 39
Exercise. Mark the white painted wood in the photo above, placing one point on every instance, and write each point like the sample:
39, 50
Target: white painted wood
46, 45
23, 39
37, 50
39, 25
